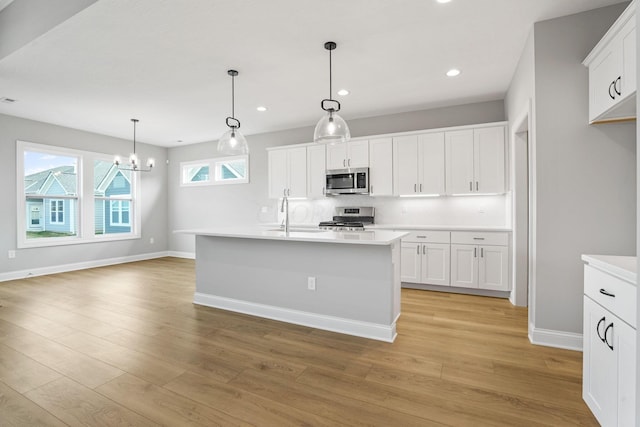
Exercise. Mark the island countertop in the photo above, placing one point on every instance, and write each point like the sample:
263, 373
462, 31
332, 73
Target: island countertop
367, 237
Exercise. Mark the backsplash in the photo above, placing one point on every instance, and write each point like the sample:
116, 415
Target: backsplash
481, 211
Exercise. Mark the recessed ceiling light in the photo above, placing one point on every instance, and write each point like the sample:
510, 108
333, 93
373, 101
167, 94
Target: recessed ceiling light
343, 92
444, 1
261, 108
453, 72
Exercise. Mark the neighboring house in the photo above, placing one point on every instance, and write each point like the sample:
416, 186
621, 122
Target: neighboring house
59, 214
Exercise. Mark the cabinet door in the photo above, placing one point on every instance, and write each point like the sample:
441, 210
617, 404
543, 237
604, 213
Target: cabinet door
358, 154
337, 156
602, 75
493, 268
628, 84
381, 167
297, 172
436, 263
405, 165
410, 257
316, 171
489, 164
600, 373
464, 266
431, 163
459, 154
624, 338
278, 173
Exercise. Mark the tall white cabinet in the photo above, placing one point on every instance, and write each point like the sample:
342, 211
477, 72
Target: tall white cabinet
609, 339
381, 167
287, 172
352, 154
419, 164
475, 161
316, 171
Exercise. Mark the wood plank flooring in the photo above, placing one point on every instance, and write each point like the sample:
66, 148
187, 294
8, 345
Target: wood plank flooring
124, 345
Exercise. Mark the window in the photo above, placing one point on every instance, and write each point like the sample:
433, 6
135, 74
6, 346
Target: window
226, 170
57, 211
55, 190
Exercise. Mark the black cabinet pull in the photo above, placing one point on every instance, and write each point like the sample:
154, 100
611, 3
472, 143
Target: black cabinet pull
610, 86
603, 292
598, 329
615, 85
606, 341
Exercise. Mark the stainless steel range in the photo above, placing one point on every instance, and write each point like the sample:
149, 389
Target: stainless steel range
350, 219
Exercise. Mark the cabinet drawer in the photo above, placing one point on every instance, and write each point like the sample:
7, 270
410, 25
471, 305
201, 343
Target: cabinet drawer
597, 284
427, 236
480, 238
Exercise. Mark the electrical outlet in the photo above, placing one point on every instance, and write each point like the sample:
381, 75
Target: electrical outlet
151, 240
311, 283
12, 254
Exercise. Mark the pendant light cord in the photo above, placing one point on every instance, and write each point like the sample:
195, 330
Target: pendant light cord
134, 134
330, 76
233, 97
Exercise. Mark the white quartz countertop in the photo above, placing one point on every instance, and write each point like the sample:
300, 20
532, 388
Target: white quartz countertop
436, 227
624, 267
367, 237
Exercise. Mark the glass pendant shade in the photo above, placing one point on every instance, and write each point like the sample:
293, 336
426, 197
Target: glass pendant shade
233, 143
331, 129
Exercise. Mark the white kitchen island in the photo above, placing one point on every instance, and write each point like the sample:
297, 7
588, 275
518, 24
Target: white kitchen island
346, 282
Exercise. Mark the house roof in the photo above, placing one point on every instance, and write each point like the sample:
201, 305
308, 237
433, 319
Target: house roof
40, 182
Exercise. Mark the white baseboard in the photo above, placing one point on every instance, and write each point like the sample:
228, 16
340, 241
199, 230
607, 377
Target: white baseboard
41, 271
558, 339
374, 331
178, 254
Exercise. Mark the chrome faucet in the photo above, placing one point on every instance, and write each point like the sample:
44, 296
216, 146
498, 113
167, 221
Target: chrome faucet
285, 208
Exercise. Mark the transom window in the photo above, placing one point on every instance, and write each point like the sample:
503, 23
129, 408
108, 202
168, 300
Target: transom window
226, 170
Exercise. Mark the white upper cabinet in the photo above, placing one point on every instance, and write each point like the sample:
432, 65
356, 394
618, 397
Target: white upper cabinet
419, 164
612, 72
381, 167
475, 161
352, 154
316, 171
288, 172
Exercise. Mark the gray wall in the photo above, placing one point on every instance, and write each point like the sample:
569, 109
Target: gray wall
197, 207
585, 192
153, 196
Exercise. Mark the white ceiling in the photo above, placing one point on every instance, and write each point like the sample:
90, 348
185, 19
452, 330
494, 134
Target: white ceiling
165, 61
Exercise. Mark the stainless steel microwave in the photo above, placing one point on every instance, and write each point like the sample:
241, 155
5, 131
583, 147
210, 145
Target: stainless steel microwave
348, 181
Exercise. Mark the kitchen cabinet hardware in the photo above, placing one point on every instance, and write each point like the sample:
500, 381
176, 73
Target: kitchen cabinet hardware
424, 249
418, 249
421, 237
349, 162
598, 328
415, 188
609, 294
478, 238
481, 252
477, 186
470, 186
606, 341
475, 252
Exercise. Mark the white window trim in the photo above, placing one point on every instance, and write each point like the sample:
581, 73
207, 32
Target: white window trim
214, 171
85, 199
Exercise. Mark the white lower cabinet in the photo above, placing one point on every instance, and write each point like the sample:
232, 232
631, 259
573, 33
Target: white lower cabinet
481, 266
425, 258
609, 348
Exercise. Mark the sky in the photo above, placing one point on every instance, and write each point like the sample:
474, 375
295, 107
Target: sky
37, 162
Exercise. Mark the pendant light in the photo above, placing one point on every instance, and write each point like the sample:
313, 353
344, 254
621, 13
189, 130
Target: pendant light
134, 162
331, 128
232, 142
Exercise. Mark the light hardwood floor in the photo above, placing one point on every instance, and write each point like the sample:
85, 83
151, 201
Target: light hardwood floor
124, 345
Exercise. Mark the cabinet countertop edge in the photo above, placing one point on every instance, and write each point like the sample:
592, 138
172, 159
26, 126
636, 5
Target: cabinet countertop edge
622, 267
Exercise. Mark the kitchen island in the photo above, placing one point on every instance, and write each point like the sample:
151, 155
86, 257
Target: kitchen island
346, 282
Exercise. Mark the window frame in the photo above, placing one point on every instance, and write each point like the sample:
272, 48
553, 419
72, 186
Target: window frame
85, 199
214, 165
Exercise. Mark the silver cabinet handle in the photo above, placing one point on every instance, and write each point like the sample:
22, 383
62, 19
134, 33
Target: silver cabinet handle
349, 162
475, 252
344, 162
421, 237
481, 252
478, 238
424, 249
470, 186
421, 188
476, 185
418, 249
284, 192
371, 189
415, 188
